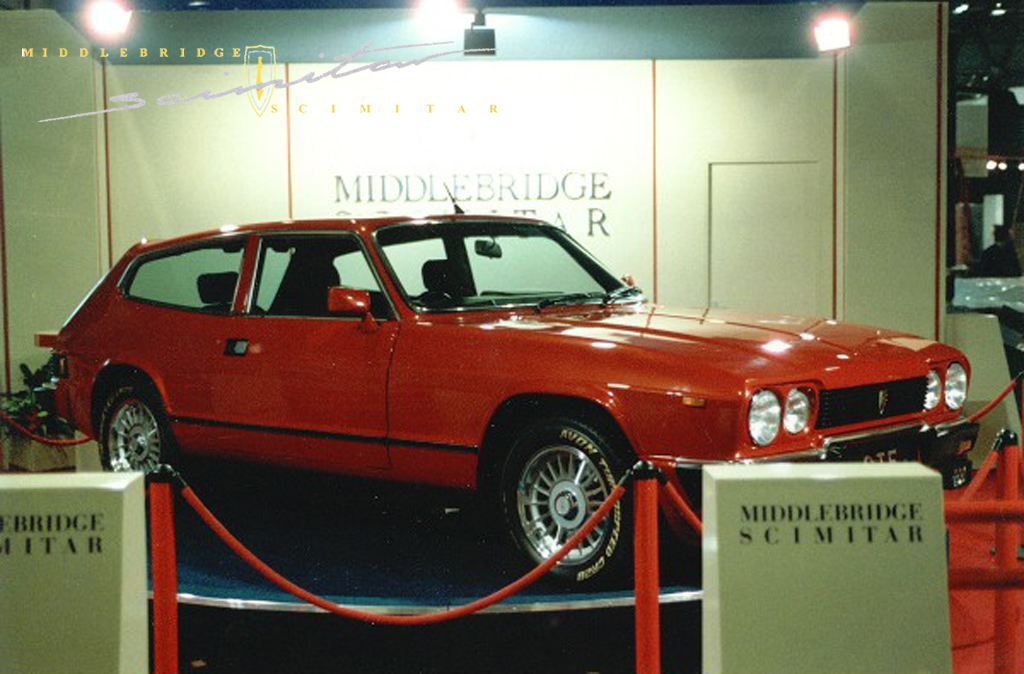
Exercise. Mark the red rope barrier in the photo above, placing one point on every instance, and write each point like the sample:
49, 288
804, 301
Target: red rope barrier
684, 508
53, 442
995, 401
979, 478
431, 618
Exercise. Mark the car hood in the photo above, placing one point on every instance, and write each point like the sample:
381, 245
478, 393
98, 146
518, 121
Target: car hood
776, 347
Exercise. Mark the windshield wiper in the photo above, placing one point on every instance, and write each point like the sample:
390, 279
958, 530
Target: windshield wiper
619, 293
569, 298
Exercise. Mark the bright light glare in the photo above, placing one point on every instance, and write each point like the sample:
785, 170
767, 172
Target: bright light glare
991, 164
107, 17
998, 10
441, 15
832, 33
1002, 166
1020, 166
961, 8
776, 346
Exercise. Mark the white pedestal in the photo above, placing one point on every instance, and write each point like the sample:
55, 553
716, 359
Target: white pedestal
817, 568
73, 574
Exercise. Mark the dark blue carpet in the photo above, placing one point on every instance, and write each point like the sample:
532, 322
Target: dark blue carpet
361, 542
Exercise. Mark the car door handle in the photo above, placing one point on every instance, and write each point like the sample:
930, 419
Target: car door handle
236, 347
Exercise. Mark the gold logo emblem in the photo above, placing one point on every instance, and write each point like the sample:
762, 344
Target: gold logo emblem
883, 401
260, 66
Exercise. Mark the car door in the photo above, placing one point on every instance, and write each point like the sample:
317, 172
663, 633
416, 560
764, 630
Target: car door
308, 388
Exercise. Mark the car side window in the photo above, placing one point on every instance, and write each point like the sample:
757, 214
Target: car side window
202, 278
295, 273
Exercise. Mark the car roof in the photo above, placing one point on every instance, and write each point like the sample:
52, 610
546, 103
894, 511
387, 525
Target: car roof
368, 225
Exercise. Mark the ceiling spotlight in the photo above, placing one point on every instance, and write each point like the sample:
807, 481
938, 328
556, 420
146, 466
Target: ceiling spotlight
107, 17
479, 41
991, 164
832, 33
998, 10
961, 8
1002, 166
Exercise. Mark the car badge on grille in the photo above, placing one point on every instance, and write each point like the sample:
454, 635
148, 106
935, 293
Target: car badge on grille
883, 400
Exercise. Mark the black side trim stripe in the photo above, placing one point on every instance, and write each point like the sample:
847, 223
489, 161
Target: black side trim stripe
324, 435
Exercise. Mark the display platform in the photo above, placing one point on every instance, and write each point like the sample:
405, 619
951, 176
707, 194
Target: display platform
374, 545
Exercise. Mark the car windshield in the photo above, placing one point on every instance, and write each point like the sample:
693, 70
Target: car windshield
453, 266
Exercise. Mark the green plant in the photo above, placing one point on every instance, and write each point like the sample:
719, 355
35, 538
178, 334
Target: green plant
27, 409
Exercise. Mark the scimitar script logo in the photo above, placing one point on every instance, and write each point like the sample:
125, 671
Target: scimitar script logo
260, 66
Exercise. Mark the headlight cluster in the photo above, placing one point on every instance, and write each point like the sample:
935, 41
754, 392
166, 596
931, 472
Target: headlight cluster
956, 386
767, 414
953, 393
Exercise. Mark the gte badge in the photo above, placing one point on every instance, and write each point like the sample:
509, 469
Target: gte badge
260, 66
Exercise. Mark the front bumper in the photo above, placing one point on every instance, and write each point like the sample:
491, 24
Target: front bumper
942, 447
931, 445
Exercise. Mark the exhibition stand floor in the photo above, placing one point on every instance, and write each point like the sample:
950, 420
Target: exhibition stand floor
371, 544
406, 549
397, 548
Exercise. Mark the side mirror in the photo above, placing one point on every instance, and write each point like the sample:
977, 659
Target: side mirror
348, 302
629, 280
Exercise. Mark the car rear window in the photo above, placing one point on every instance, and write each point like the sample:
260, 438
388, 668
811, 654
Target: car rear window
201, 278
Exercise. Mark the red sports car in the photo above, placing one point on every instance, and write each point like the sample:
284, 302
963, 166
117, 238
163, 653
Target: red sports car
483, 353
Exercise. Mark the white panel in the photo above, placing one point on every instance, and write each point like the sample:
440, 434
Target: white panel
890, 169
768, 235
717, 112
568, 142
181, 168
49, 178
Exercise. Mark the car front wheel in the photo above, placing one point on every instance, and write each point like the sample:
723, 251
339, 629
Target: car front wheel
134, 435
557, 473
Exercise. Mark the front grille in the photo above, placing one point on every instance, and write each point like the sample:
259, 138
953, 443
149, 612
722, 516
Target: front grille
843, 406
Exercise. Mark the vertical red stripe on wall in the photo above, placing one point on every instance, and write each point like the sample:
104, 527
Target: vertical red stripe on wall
835, 183
288, 136
3, 270
106, 165
654, 172
939, 109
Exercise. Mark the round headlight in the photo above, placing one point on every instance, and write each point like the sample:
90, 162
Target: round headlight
763, 419
931, 398
798, 411
956, 386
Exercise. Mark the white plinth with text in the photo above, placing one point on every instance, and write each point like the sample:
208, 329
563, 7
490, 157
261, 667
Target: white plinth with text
826, 567
73, 574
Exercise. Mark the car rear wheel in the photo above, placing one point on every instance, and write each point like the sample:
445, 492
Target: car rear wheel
557, 473
134, 433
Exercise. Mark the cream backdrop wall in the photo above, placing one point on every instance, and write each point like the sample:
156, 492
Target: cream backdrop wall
711, 181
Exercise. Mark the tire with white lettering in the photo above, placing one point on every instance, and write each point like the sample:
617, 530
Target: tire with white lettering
557, 473
134, 432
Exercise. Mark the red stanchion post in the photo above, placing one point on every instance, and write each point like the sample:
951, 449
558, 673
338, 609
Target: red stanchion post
645, 553
1007, 539
165, 572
